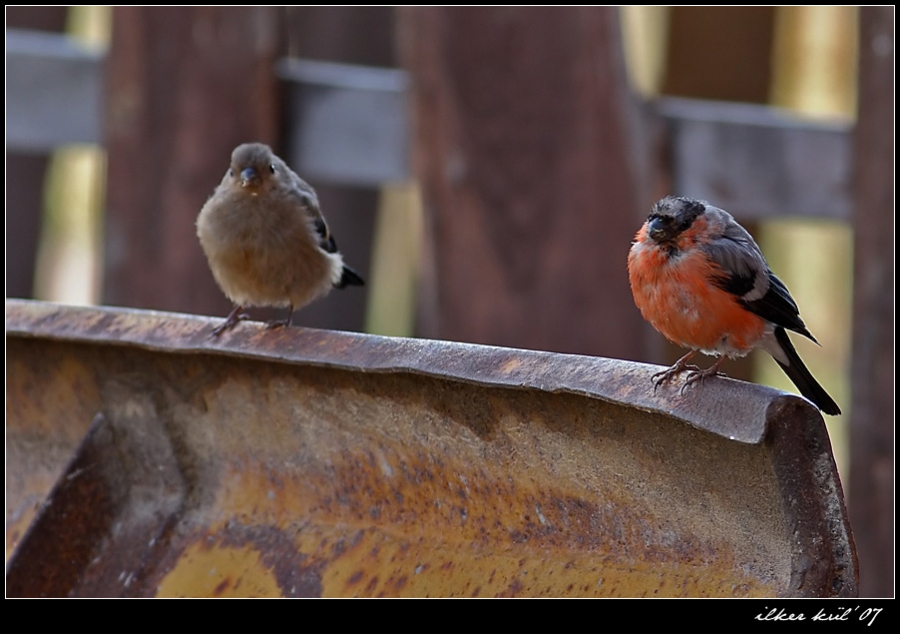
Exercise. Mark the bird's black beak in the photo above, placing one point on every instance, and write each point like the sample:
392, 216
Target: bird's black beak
249, 177
656, 229
662, 229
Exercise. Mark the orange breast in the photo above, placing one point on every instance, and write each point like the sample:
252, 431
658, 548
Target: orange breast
677, 296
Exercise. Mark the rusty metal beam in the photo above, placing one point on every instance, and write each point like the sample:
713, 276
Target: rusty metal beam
145, 458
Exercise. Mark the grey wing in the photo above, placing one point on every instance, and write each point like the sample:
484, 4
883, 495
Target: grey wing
310, 204
745, 271
306, 195
746, 274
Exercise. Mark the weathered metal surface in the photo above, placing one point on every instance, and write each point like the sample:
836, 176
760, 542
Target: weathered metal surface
304, 463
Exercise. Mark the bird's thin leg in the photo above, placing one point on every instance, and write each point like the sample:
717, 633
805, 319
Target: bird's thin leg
231, 321
680, 366
278, 323
698, 376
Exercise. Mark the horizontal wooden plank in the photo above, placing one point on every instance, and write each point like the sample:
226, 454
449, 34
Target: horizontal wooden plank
757, 161
349, 125
53, 91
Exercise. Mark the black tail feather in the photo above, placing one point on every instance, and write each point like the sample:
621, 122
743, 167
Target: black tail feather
802, 378
349, 277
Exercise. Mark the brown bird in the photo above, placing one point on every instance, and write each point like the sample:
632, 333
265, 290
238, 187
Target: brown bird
266, 240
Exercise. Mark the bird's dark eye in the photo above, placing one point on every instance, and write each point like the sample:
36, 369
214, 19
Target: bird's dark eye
230, 173
272, 168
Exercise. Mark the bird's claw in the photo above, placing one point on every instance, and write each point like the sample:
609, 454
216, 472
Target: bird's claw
670, 373
281, 323
695, 374
698, 376
232, 321
277, 323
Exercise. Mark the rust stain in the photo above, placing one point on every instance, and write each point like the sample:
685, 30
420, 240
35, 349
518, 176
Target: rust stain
219, 571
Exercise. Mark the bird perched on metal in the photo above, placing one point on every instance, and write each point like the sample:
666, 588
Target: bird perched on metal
700, 279
266, 240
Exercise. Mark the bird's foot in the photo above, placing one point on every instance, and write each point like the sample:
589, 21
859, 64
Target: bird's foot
231, 321
679, 367
281, 323
698, 376
272, 324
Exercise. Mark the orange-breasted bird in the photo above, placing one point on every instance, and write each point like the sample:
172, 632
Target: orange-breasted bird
701, 280
266, 239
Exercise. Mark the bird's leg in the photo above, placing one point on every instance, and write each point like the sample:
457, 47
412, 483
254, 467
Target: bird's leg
680, 366
278, 323
231, 321
698, 376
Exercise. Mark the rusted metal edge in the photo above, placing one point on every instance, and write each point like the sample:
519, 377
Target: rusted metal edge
824, 561
731, 409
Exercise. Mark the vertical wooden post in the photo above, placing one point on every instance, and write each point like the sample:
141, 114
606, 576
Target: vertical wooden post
872, 428
722, 54
525, 151
185, 86
350, 35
